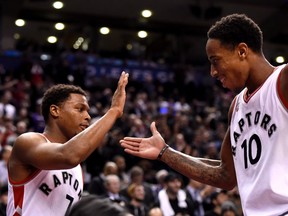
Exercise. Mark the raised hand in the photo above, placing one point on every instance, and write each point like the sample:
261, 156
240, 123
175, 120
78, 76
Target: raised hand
119, 97
148, 148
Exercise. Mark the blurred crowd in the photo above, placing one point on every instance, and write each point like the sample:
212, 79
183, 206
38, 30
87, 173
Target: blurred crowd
190, 112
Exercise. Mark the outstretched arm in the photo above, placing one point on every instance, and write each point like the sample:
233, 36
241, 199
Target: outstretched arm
31, 150
216, 173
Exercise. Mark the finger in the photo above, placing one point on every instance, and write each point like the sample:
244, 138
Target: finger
153, 128
122, 76
135, 153
133, 139
123, 80
130, 147
130, 143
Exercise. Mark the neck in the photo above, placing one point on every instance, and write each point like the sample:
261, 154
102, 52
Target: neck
53, 136
258, 74
171, 195
135, 202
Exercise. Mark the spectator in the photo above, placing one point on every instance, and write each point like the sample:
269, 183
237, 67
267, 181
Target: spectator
173, 199
155, 211
198, 193
21, 127
160, 184
122, 173
136, 206
5, 154
112, 186
228, 209
217, 199
96, 185
7, 109
137, 177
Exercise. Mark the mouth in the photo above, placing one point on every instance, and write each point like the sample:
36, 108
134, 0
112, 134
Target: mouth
221, 79
84, 126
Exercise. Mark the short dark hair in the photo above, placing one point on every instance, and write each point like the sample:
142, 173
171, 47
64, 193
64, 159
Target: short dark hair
172, 176
56, 95
237, 28
95, 205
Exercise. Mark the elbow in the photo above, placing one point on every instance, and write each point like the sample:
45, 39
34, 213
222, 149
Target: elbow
229, 186
73, 160
72, 157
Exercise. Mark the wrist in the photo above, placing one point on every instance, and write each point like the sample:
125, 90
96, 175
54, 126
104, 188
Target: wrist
116, 112
162, 151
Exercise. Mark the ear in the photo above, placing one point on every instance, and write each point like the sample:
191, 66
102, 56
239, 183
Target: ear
242, 50
54, 111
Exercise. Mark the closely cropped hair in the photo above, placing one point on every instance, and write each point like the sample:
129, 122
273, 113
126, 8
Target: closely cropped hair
56, 95
237, 28
94, 205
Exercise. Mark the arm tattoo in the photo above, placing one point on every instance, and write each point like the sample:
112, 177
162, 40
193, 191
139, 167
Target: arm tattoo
200, 169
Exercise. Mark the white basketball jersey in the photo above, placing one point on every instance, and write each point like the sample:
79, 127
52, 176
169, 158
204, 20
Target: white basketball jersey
45, 193
259, 139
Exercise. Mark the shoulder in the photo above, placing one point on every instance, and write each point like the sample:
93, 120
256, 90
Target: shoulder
19, 167
283, 85
24, 143
30, 137
285, 74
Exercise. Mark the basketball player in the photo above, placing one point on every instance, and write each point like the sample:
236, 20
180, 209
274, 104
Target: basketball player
45, 177
254, 150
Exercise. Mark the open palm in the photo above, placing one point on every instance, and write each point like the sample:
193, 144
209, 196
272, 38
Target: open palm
148, 148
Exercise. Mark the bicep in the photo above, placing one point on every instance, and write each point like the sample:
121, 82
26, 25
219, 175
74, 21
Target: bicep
33, 150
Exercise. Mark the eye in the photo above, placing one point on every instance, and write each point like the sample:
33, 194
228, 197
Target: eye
214, 61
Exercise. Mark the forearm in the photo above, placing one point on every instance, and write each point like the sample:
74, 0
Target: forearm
210, 161
203, 170
88, 140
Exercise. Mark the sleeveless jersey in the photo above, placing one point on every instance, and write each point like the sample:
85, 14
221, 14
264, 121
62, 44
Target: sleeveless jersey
46, 192
259, 142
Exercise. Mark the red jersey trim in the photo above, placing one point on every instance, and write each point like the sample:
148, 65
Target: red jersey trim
18, 192
281, 96
29, 178
247, 98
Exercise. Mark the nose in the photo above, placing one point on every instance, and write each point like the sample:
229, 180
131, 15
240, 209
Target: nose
88, 117
213, 71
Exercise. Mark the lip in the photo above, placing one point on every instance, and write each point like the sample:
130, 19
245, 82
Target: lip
84, 126
221, 79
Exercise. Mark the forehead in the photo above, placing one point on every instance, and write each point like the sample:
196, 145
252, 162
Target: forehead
77, 99
139, 187
214, 47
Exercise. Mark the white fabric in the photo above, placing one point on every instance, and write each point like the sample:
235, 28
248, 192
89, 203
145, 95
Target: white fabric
45, 193
259, 138
165, 204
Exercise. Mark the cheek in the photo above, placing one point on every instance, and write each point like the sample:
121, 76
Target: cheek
238, 77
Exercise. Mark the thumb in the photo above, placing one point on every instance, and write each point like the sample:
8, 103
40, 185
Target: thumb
153, 128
